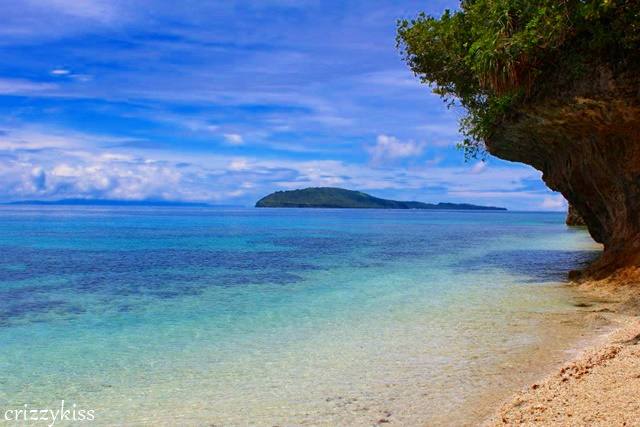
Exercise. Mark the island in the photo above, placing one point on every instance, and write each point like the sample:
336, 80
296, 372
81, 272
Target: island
330, 197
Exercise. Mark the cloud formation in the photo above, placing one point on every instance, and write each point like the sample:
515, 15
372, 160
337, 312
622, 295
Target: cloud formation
389, 148
554, 203
59, 72
22, 86
92, 166
234, 138
148, 99
479, 167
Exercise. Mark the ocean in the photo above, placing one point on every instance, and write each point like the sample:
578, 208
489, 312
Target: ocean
205, 316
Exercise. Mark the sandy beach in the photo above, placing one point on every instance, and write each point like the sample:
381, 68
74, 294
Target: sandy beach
600, 386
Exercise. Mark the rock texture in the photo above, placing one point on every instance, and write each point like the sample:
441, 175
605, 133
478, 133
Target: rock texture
586, 141
573, 218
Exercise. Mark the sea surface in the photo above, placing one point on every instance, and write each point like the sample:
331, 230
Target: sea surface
203, 316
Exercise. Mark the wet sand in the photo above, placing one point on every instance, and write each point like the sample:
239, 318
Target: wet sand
601, 385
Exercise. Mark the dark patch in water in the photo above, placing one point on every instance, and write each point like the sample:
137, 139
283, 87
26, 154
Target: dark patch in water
108, 276
272, 277
125, 308
104, 279
537, 265
42, 262
35, 309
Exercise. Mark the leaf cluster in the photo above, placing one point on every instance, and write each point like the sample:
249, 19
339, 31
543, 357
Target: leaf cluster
490, 56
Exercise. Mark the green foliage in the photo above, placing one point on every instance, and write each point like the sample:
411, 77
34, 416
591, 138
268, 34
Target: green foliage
330, 197
493, 55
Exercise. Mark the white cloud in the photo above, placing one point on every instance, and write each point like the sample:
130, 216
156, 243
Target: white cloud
446, 127
60, 173
391, 148
238, 165
393, 78
36, 138
59, 72
116, 157
434, 161
64, 170
81, 77
554, 203
479, 167
51, 164
98, 10
234, 138
20, 86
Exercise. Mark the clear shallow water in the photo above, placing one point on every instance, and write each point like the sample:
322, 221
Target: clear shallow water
280, 317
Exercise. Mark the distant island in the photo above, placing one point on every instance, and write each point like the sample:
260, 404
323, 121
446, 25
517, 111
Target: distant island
108, 202
329, 197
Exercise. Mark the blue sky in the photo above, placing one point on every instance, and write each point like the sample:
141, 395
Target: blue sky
226, 101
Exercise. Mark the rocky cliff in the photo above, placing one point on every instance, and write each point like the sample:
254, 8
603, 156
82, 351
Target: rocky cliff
585, 139
573, 218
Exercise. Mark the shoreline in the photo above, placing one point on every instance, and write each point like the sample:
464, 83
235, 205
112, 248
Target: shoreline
599, 384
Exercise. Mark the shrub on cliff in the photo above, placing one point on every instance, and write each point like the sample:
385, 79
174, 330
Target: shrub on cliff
493, 55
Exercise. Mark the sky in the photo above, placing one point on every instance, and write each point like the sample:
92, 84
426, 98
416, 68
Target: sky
226, 101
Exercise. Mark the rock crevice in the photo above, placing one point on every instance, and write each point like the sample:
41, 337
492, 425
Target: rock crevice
573, 218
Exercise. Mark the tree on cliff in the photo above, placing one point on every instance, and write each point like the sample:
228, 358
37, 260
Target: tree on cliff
551, 83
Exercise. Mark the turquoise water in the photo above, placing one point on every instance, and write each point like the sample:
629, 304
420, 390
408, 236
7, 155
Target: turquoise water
205, 316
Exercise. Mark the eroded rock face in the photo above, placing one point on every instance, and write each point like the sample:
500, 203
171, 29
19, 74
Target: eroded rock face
573, 218
586, 141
